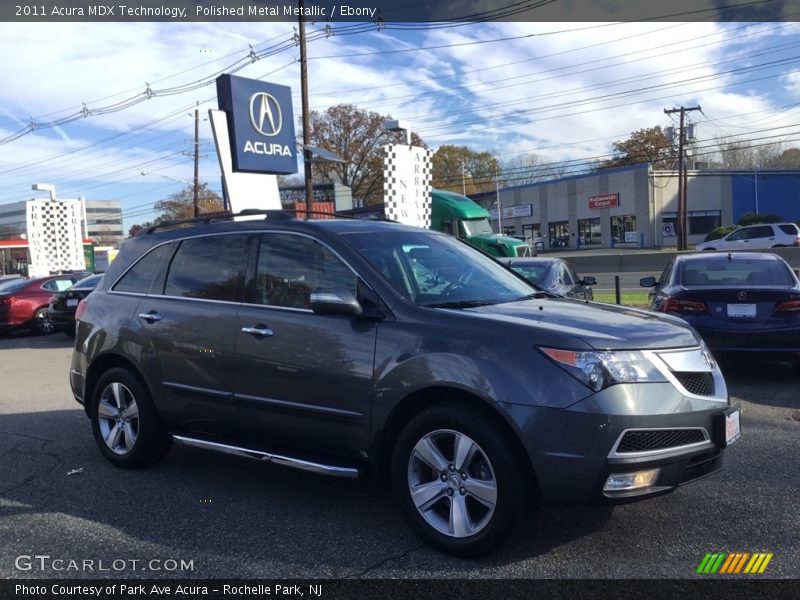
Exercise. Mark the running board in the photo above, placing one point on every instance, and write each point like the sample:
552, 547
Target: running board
278, 459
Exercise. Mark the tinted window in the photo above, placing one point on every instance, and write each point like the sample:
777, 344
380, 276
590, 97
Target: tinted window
88, 282
763, 231
290, 267
789, 229
139, 277
207, 267
736, 272
535, 273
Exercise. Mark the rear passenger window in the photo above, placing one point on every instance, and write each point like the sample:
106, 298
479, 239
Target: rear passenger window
207, 267
139, 277
290, 267
789, 229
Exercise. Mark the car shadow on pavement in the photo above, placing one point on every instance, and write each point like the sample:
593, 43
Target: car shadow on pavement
24, 338
233, 517
761, 381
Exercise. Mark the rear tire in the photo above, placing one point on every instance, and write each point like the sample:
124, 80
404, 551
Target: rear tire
41, 324
460, 486
128, 431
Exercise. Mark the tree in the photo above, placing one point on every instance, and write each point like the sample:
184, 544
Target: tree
528, 168
736, 153
357, 137
643, 146
139, 227
457, 168
788, 159
180, 205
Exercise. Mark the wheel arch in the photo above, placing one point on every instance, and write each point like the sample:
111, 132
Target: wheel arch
102, 364
417, 401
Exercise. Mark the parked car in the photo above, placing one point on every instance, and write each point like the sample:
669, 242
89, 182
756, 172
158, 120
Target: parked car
319, 345
24, 301
553, 275
738, 302
61, 311
756, 237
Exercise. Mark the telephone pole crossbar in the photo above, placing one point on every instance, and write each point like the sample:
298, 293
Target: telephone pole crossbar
683, 213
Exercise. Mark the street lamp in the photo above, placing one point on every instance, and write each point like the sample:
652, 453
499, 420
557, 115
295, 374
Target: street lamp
45, 187
398, 125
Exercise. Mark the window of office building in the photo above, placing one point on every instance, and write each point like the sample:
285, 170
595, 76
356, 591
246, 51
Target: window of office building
623, 229
589, 232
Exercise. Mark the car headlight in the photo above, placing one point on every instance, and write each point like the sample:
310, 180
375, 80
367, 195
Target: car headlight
600, 369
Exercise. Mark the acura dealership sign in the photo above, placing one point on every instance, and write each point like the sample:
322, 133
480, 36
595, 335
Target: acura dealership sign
260, 123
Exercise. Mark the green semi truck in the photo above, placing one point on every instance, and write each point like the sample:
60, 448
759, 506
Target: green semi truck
458, 215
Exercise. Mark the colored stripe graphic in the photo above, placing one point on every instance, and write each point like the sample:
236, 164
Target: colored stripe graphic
730, 564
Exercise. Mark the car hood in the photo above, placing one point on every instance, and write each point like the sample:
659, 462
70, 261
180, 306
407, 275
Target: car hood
575, 323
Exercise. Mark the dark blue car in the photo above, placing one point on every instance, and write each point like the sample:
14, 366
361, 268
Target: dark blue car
738, 302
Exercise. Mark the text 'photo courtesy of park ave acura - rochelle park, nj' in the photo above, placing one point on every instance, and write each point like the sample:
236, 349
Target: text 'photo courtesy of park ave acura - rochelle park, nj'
400, 300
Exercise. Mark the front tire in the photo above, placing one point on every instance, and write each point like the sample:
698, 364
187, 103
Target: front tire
459, 484
128, 431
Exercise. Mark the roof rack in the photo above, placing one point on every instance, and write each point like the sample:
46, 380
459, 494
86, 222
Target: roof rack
269, 214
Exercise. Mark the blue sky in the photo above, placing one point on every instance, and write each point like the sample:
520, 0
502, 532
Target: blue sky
561, 91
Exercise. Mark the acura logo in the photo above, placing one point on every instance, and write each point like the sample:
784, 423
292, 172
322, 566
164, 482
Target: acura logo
742, 295
708, 359
265, 114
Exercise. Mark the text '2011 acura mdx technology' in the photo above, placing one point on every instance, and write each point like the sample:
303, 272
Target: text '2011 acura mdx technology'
345, 347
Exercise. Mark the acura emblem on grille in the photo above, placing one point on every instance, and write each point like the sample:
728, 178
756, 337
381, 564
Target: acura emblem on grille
708, 359
742, 295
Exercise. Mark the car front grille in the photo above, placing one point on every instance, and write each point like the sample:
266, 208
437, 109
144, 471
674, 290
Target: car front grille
700, 384
645, 440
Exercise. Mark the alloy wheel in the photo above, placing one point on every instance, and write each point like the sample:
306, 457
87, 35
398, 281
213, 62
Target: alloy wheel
452, 483
118, 418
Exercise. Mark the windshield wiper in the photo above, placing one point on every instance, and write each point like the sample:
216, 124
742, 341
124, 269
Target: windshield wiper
537, 295
460, 304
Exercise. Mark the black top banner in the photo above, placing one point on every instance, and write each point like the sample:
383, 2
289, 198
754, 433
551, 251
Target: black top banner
401, 11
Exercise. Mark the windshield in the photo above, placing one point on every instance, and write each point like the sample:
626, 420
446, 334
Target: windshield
537, 273
436, 270
478, 227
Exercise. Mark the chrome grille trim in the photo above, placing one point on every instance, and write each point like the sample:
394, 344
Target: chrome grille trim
705, 443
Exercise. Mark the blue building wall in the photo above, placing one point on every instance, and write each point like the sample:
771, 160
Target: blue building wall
777, 193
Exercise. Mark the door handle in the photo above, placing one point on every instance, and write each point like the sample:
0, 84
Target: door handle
259, 331
150, 317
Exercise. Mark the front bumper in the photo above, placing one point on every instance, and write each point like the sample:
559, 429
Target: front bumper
573, 451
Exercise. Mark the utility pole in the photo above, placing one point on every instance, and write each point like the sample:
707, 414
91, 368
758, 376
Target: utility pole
683, 213
195, 195
306, 119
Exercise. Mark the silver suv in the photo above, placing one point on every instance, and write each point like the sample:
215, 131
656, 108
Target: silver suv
348, 347
754, 237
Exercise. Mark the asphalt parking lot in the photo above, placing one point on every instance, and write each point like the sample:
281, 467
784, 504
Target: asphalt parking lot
227, 517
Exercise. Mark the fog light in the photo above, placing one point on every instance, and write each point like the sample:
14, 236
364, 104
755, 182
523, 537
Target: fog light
619, 482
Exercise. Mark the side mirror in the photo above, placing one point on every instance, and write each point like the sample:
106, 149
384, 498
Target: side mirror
336, 301
589, 280
647, 282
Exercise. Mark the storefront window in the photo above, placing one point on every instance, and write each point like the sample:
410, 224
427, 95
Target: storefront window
700, 222
589, 232
532, 232
623, 229
510, 229
559, 234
